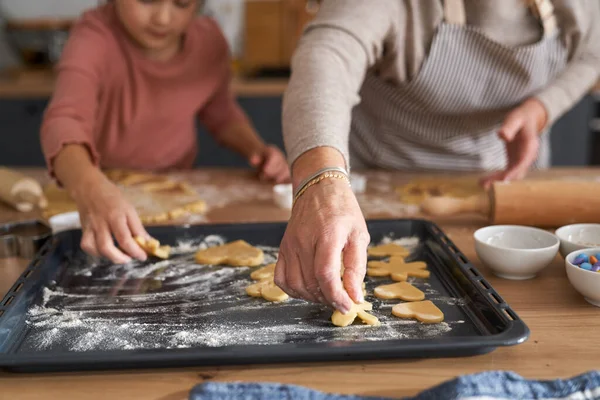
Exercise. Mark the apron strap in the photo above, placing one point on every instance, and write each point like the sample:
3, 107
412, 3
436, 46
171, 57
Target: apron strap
544, 10
455, 14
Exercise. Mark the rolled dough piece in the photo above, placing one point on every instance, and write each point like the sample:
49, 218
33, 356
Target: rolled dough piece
357, 310
424, 311
267, 272
236, 254
419, 189
152, 247
268, 290
401, 290
386, 250
397, 269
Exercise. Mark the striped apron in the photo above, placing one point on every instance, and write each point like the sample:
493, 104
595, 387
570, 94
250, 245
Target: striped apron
448, 116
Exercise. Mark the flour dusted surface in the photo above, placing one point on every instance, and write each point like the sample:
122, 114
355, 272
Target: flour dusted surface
180, 304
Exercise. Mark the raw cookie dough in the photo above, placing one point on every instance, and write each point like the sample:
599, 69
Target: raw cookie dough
419, 189
364, 286
401, 290
268, 290
267, 272
357, 310
424, 311
266, 287
156, 198
152, 247
236, 254
386, 250
398, 269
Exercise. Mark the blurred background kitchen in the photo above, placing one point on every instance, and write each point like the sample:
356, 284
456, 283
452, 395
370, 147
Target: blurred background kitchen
262, 35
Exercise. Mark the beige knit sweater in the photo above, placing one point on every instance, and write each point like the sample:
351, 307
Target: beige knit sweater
348, 38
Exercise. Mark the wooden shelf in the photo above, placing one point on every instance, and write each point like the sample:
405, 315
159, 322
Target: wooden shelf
20, 84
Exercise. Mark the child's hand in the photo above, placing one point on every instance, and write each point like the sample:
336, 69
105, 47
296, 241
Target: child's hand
104, 213
520, 133
271, 165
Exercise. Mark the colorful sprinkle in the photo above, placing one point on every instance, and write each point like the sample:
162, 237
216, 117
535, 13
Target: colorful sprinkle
586, 265
596, 267
593, 260
580, 259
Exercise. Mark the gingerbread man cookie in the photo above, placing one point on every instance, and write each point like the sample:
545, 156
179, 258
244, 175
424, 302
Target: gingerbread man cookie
357, 310
236, 254
397, 269
152, 247
387, 250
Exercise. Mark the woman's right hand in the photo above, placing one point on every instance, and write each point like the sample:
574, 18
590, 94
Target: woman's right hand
326, 223
104, 213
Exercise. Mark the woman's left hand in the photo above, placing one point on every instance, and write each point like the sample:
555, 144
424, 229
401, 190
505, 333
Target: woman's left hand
271, 165
521, 135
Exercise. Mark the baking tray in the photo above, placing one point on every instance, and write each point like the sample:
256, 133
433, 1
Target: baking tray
71, 312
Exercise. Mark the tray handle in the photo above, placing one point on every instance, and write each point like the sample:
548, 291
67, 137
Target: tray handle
473, 274
23, 279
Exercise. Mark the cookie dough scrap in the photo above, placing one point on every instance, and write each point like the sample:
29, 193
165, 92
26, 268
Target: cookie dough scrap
357, 310
152, 247
236, 254
387, 250
401, 290
424, 311
398, 269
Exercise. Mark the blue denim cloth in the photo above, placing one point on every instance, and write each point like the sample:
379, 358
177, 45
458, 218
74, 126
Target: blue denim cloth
492, 385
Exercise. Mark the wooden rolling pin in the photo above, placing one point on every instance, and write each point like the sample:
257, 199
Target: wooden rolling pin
20, 191
545, 204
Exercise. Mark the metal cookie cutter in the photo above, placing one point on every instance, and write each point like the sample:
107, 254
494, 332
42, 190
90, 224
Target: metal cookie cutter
23, 239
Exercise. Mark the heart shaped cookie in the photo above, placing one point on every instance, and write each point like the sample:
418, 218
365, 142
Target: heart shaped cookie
357, 310
236, 254
424, 311
387, 250
401, 290
397, 269
268, 290
267, 272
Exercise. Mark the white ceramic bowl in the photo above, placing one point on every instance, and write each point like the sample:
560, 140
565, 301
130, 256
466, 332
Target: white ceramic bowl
65, 222
587, 283
578, 237
515, 252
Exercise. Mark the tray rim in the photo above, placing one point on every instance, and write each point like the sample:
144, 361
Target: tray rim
516, 331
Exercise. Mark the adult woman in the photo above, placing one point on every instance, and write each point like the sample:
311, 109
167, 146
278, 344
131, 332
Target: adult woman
467, 85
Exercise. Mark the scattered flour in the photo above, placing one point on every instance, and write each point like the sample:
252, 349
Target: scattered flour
179, 304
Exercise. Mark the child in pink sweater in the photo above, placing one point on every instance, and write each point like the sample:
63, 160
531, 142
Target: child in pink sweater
133, 78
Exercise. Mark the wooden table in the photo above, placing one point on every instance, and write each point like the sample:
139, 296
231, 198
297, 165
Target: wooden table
563, 326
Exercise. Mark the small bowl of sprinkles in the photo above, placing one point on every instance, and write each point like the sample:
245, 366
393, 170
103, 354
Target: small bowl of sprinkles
583, 271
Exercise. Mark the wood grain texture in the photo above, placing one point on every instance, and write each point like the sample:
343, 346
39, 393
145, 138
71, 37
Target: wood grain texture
25, 84
562, 343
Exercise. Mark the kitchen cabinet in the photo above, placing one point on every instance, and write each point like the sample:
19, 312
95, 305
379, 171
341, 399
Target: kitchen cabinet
271, 32
20, 120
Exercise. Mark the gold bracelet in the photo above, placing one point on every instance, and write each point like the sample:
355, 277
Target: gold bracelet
325, 175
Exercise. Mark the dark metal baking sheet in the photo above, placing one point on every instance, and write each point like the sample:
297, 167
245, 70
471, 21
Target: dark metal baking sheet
70, 312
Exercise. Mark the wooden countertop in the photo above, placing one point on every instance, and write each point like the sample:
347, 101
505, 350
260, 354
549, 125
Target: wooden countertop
16, 84
562, 342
